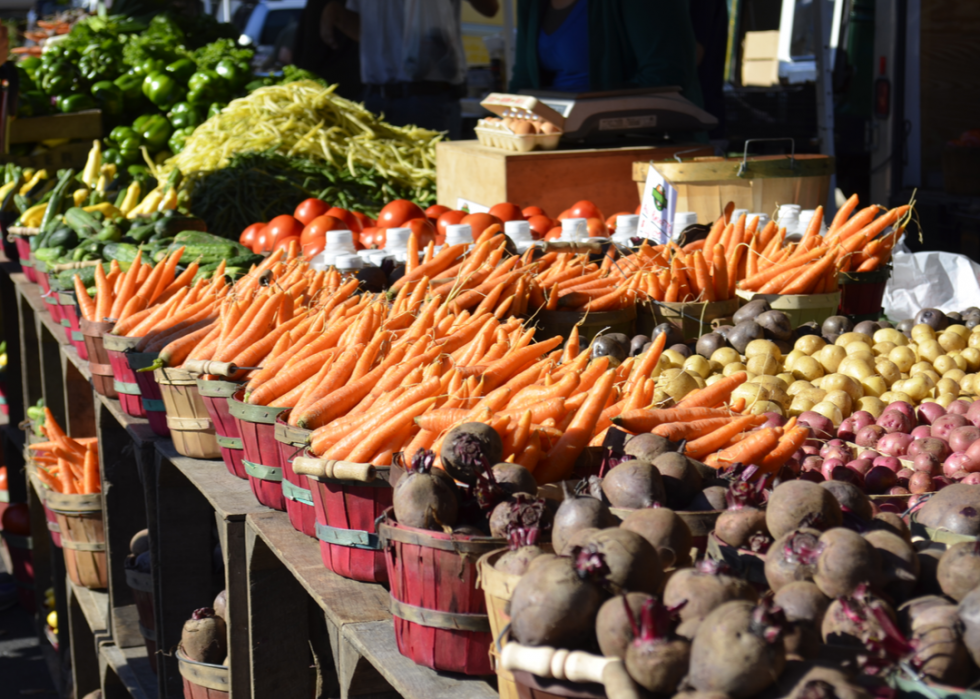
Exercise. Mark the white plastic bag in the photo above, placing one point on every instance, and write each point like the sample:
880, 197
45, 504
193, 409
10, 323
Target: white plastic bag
943, 280
432, 47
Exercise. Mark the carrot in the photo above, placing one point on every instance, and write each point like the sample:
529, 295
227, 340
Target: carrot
561, 458
103, 294
715, 394
804, 283
703, 276
676, 431
792, 440
752, 449
379, 436
648, 361
843, 213
48, 480
288, 379
179, 349
441, 262
760, 280
858, 221
531, 455
128, 287
500, 370
720, 274
85, 302
65, 478
646, 419
714, 441
714, 236
90, 471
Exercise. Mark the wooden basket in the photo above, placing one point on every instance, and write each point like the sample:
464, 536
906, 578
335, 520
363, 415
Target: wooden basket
861, 293
497, 589
24, 256
692, 319
257, 425
560, 323
142, 586
153, 405
82, 537
187, 417
124, 379
440, 616
292, 442
71, 313
19, 549
202, 680
215, 395
346, 515
51, 519
530, 686
802, 308
98, 357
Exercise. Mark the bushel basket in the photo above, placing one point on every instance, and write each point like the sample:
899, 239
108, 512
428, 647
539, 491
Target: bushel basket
215, 394
187, 417
296, 491
98, 358
124, 379
257, 426
202, 680
82, 537
141, 585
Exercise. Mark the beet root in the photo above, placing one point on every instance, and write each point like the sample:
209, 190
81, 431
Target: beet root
633, 563
710, 499
514, 478
956, 507
959, 569
846, 561
576, 513
744, 529
804, 606
654, 660
969, 612
820, 682
851, 497
648, 447
220, 605
681, 478
469, 449
520, 512
517, 562
666, 532
940, 653
899, 563
140, 543
205, 637
612, 625
737, 650
796, 504
634, 484
425, 498
697, 592
793, 558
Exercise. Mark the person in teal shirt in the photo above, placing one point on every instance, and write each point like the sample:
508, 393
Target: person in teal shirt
598, 45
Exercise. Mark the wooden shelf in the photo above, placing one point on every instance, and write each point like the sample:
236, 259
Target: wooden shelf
132, 667
95, 607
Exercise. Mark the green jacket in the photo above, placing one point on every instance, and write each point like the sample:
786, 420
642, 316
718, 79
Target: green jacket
632, 43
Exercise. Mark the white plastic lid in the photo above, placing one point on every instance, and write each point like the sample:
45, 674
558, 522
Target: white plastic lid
459, 233
345, 262
376, 257
337, 239
807, 214
763, 220
627, 224
397, 239
574, 229
683, 219
518, 230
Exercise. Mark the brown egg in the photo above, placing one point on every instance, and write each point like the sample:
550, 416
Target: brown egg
522, 127
548, 127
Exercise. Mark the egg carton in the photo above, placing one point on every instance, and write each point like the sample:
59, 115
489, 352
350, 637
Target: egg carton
494, 136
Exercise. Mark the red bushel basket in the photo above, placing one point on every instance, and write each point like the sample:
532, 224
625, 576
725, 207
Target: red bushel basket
215, 394
150, 395
71, 320
440, 614
202, 680
124, 378
861, 293
292, 441
257, 425
50, 298
24, 256
102, 378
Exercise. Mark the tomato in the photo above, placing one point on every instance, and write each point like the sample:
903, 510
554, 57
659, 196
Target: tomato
263, 241
16, 519
3, 477
311, 250
639, 207
530, 211
373, 238
282, 227
318, 227
507, 212
585, 209
398, 212
611, 221
564, 214
449, 218
540, 225
284, 242
435, 211
553, 234
365, 220
310, 209
480, 222
423, 230
597, 228
348, 217
247, 238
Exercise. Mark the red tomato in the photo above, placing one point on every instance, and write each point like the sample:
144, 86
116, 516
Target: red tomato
540, 225
449, 218
435, 211
3, 477
396, 213
530, 211
611, 221
263, 241
638, 208
282, 227
311, 250
348, 217
480, 222
365, 220
597, 228
310, 209
585, 209
507, 212
247, 238
564, 214
373, 238
553, 234
284, 242
17, 519
423, 230
318, 227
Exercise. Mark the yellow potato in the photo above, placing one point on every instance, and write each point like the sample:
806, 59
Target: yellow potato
733, 368
960, 330
856, 367
944, 363
829, 411
903, 357
726, 356
968, 384
757, 347
847, 338
763, 364
765, 406
675, 358
890, 335
874, 386
873, 405
679, 386
807, 369
916, 387
945, 399
974, 340
881, 349
798, 386
950, 341
888, 370
842, 382
961, 362
753, 393
789, 361
830, 357
930, 350
771, 381
947, 386
716, 367
714, 378
923, 332
842, 400
799, 405
809, 344
699, 365
893, 396
787, 379
812, 394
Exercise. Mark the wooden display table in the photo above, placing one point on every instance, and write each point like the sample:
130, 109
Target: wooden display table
553, 180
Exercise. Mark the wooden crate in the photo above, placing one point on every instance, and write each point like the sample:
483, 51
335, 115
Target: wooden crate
67, 155
553, 180
81, 125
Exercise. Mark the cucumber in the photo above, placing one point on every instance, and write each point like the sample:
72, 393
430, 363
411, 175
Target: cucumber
192, 237
173, 225
207, 253
245, 261
49, 254
82, 222
63, 236
142, 232
123, 253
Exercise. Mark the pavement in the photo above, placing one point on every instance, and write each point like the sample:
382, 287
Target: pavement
23, 669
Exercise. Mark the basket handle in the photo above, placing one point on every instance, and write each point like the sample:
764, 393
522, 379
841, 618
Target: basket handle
338, 470
558, 663
207, 366
745, 154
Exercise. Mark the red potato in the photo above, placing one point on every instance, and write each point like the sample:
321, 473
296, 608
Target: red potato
738, 650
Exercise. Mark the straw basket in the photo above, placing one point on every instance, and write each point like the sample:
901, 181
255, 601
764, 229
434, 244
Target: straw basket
940, 536
98, 357
440, 616
215, 394
692, 319
202, 680
292, 441
560, 323
497, 589
187, 417
348, 499
82, 537
804, 308
153, 405
124, 379
142, 586
257, 426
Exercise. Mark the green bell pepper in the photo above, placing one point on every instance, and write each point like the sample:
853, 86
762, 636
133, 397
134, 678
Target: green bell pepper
215, 108
31, 64
109, 97
179, 137
56, 84
152, 65
122, 133
206, 86
232, 74
75, 103
181, 70
112, 156
256, 84
184, 114
132, 88
155, 132
162, 90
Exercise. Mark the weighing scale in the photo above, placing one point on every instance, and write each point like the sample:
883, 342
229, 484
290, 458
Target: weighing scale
601, 116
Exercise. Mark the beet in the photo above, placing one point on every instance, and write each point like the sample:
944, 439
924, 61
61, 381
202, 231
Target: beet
425, 497
468, 449
710, 499
666, 532
522, 550
140, 543
632, 562
969, 613
647, 447
800, 503
846, 561
205, 637
892, 522
743, 524
899, 563
738, 650
520, 512
681, 478
696, 591
612, 624
634, 484
576, 513
804, 606
940, 653
556, 601
851, 497
654, 660
793, 558
959, 569
514, 478
851, 620
220, 605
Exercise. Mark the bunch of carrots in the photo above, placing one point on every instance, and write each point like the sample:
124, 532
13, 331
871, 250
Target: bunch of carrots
66, 465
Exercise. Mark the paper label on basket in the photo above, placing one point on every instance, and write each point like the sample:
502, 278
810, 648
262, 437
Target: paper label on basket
658, 206
471, 206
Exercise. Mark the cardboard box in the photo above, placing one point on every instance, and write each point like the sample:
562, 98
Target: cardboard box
760, 65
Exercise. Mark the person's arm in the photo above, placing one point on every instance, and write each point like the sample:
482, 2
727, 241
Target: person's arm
520, 78
487, 8
336, 17
662, 39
